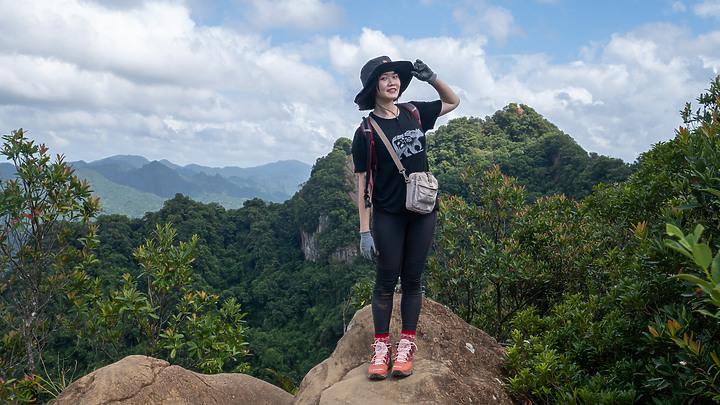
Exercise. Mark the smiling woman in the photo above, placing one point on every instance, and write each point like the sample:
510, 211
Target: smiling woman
400, 239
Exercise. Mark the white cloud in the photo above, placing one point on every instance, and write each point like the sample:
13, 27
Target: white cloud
644, 76
619, 101
708, 8
679, 6
94, 79
479, 19
100, 75
300, 15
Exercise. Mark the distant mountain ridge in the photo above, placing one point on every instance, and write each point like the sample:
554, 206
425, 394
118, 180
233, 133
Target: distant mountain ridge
517, 139
132, 185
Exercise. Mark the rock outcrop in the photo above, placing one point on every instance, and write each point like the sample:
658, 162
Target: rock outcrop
455, 364
142, 380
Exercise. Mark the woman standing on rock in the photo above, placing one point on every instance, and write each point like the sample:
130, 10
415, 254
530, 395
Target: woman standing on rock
400, 240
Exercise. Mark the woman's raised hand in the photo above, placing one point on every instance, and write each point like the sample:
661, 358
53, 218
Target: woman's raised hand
422, 72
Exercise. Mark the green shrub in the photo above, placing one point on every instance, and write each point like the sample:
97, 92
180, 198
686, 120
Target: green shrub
638, 322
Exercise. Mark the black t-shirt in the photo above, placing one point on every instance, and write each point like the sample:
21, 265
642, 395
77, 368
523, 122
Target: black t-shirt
408, 139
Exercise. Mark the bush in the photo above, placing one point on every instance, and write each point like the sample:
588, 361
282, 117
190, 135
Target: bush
618, 300
649, 330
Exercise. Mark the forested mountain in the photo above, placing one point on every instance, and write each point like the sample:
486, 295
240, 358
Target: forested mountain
293, 265
132, 185
525, 146
120, 199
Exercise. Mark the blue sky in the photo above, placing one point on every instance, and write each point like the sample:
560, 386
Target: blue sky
248, 82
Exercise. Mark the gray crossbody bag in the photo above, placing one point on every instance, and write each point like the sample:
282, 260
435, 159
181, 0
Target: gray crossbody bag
422, 187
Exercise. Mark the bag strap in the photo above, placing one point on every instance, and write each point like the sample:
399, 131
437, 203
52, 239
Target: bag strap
372, 161
414, 110
390, 148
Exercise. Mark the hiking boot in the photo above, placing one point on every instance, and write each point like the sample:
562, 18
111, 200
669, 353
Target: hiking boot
380, 363
403, 361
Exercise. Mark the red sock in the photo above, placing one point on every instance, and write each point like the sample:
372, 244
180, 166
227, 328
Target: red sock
384, 337
407, 334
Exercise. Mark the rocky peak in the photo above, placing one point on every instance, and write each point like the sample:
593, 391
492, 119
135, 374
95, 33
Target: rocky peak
455, 363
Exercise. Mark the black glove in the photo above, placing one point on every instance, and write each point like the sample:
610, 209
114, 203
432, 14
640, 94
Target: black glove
422, 72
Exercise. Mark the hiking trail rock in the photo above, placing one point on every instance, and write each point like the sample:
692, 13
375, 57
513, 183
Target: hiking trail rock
142, 380
455, 363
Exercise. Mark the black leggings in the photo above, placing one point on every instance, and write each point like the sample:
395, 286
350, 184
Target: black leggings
403, 243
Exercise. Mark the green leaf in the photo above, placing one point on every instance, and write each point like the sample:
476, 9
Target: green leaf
688, 206
715, 271
707, 313
680, 248
714, 296
711, 191
702, 255
715, 358
673, 230
698, 232
695, 279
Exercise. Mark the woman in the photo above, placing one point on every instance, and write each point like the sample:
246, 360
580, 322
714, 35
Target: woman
400, 239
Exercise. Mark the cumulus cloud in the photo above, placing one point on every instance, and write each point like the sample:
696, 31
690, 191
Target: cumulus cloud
708, 8
95, 79
300, 15
679, 6
497, 22
621, 98
93, 74
644, 76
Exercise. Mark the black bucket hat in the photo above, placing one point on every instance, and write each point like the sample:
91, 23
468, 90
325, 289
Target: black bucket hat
370, 73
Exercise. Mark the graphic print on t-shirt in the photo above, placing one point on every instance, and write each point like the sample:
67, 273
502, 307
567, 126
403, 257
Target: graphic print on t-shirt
408, 144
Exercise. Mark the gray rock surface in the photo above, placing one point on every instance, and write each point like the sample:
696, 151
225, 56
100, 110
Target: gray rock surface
455, 363
142, 380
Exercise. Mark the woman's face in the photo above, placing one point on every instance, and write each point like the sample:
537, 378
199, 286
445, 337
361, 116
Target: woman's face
388, 87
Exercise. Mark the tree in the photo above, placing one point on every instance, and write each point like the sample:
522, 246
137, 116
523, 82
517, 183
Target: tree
39, 263
160, 311
478, 268
646, 328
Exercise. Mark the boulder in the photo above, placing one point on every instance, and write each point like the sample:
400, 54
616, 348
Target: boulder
146, 380
455, 363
